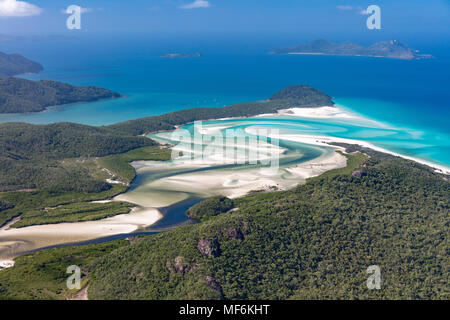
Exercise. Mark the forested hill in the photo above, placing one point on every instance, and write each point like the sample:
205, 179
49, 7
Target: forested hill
14, 64
293, 96
20, 95
313, 242
30, 154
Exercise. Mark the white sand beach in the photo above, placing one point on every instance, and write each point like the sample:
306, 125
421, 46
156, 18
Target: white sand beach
15, 241
335, 112
327, 140
170, 182
4, 264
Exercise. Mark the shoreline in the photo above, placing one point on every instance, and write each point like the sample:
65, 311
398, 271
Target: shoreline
339, 112
49, 108
440, 168
15, 242
351, 55
321, 140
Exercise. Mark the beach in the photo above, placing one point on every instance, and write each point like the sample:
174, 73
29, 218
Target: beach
14, 242
305, 151
327, 141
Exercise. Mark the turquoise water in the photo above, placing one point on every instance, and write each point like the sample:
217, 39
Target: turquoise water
410, 97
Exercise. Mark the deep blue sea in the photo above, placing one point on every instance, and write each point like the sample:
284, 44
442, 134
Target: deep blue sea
413, 95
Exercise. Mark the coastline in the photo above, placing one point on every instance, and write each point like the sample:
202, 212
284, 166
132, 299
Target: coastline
15, 242
418, 57
49, 108
5, 264
324, 140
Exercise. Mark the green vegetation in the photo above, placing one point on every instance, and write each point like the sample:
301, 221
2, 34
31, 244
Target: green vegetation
72, 204
354, 161
74, 212
315, 241
120, 164
312, 242
42, 275
71, 162
28, 203
5, 205
13, 64
302, 95
294, 96
33, 156
20, 95
210, 207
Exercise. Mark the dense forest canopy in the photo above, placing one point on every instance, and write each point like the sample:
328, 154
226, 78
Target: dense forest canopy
30, 155
313, 242
293, 96
210, 207
14, 64
21, 95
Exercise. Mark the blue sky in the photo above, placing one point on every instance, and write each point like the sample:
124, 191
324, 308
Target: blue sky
335, 20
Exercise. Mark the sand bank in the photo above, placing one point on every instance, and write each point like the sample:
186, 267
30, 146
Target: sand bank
14, 242
327, 140
6, 264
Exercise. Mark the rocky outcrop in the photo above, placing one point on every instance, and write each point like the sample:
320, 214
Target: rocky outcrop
208, 248
211, 281
235, 233
179, 265
358, 174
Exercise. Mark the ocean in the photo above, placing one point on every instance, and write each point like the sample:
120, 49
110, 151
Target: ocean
411, 98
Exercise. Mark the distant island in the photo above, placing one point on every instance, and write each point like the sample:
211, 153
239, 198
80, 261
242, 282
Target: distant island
385, 49
21, 95
182, 55
14, 64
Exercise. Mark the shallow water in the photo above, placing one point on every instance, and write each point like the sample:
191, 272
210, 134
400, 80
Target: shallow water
401, 106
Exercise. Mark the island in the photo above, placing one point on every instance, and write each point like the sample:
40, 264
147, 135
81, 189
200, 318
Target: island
385, 49
181, 55
19, 95
14, 64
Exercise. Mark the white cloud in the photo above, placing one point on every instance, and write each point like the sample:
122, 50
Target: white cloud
344, 7
197, 4
14, 8
357, 9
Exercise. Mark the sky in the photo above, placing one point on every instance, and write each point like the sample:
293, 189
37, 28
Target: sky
334, 20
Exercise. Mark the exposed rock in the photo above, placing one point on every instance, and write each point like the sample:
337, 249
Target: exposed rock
358, 173
208, 248
169, 266
213, 284
140, 276
180, 266
235, 234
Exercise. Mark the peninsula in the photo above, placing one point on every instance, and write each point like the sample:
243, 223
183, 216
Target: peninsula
14, 64
309, 242
19, 95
